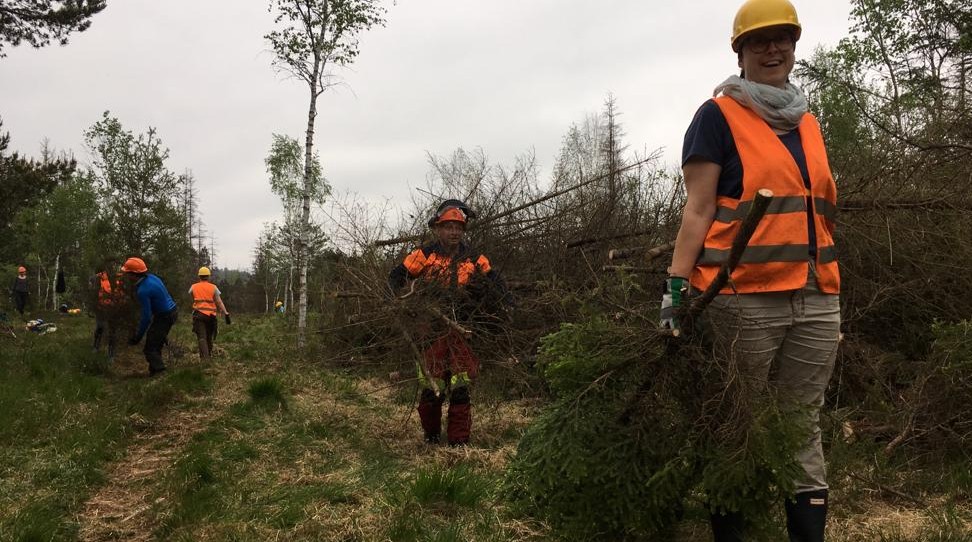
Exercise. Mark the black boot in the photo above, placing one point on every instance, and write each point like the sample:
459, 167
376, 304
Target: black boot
727, 527
806, 516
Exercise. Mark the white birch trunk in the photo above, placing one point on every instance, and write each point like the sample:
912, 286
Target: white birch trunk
302, 256
57, 267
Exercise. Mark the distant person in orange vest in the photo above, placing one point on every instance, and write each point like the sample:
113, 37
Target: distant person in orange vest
107, 294
779, 322
206, 306
20, 290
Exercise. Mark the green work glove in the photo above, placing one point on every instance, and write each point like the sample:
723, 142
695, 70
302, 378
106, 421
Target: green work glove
674, 295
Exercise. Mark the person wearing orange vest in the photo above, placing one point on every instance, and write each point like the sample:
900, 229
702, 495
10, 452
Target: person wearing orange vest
449, 268
206, 306
107, 296
779, 320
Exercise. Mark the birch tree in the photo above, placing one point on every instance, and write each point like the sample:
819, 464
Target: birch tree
312, 37
286, 171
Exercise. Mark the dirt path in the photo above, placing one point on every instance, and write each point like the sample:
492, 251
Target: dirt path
122, 508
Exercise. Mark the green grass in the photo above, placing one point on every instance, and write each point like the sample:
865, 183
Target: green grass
61, 420
298, 450
458, 486
267, 393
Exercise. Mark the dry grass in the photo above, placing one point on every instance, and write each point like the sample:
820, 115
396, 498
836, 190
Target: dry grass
339, 462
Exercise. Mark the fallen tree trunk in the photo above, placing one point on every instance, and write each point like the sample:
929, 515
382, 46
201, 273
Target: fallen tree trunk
486, 220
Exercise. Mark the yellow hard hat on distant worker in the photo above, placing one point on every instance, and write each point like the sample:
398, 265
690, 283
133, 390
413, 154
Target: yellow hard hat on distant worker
278, 304
756, 14
204, 271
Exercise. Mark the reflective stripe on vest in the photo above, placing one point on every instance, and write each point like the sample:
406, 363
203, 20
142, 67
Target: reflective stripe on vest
204, 298
777, 256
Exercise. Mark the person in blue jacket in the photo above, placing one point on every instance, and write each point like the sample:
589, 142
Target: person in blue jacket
159, 313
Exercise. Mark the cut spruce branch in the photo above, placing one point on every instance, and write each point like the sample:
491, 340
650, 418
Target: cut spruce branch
739, 243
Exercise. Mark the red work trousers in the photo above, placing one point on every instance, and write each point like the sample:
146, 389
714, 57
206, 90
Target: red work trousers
452, 364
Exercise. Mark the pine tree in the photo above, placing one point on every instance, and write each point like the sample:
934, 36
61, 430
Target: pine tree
37, 22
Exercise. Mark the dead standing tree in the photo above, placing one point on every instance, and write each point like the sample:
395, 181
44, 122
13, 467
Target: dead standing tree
316, 34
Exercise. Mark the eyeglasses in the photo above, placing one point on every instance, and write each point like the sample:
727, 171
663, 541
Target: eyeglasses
760, 43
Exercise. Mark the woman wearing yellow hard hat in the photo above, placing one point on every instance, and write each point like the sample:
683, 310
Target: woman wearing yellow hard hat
779, 322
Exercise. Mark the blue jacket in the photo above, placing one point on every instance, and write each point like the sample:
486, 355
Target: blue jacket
154, 299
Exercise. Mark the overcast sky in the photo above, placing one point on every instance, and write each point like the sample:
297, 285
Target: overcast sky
504, 75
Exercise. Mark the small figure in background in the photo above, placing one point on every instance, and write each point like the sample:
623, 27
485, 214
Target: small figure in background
20, 289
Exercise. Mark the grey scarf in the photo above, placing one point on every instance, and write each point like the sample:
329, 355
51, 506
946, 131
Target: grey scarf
781, 108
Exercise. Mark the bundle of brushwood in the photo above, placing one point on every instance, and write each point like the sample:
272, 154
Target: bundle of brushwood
644, 425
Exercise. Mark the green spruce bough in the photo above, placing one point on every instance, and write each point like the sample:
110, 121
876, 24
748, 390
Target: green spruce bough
638, 433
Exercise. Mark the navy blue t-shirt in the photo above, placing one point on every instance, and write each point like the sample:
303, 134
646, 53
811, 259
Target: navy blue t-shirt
709, 138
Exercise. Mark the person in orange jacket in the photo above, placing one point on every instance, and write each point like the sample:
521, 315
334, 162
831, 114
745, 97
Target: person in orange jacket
207, 304
779, 323
450, 268
108, 296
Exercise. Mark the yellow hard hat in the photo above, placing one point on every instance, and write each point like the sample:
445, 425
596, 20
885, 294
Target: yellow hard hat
278, 304
204, 272
756, 14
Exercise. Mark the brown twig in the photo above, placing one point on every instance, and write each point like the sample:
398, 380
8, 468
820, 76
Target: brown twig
885, 489
451, 323
486, 220
739, 243
650, 253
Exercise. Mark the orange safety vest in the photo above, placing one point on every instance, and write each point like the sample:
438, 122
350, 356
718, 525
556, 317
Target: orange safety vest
104, 290
436, 266
204, 298
777, 258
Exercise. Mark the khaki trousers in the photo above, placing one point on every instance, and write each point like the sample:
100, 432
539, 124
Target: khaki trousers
788, 342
